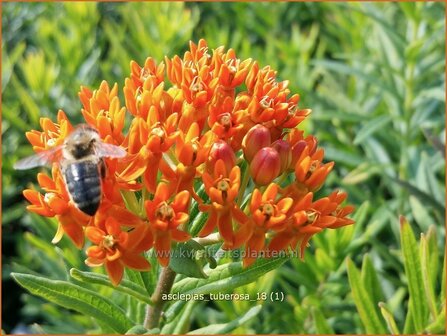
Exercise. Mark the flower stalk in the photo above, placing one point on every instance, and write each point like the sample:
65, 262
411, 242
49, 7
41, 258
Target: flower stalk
164, 286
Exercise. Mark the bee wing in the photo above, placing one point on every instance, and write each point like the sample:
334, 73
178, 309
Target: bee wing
40, 159
108, 150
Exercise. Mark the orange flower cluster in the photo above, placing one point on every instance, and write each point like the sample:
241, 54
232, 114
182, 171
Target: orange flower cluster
223, 124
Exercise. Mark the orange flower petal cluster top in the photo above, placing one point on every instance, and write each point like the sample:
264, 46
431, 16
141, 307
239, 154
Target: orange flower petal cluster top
207, 131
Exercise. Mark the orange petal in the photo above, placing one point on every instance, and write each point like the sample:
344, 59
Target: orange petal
94, 234
209, 225
181, 201
224, 223
73, 231
96, 252
270, 193
280, 241
136, 262
113, 255
115, 271
163, 248
162, 193
92, 262
180, 236
285, 204
255, 200
113, 227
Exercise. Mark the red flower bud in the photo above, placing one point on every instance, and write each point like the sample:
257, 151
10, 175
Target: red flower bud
221, 151
256, 138
266, 166
285, 153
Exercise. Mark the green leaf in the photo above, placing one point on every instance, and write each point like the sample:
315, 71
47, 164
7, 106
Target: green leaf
438, 326
82, 300
409, 327
427, 274
178, 322
136, 330
198, 223
181, 325
321, 324
362, 173
174, 309
228, 277
140, 330
185, 259
420, 213
368, 314
433, 255
371, 127
9, 61
125, 286
413, 271
28, 103
371, 280
225, 328
421, 195
391, 323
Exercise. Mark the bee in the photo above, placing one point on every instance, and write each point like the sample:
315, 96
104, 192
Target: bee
80, 159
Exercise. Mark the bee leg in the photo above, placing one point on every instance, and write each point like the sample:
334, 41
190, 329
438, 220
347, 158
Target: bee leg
102, 168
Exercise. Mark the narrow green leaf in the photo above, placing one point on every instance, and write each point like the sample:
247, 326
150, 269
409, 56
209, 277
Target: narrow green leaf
413, 272
362, 173
226, 328
409, 327
421, 195
9, 61
29, 105
433, 254
345, 69
182, 324
77, 298
371, 280
198, 223
170, 326
126, 286
442, 295
391, 323
420, 213
135, 277
174, 310
228, 277
426, 276
438, 326
321, 324
371, 321
371, 127
136, 330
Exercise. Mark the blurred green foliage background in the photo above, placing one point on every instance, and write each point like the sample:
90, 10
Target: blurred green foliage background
374, 76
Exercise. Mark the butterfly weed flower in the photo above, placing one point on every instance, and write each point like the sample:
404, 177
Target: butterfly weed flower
207, 131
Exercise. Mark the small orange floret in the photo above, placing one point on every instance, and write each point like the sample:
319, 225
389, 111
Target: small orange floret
166, 219
117, 248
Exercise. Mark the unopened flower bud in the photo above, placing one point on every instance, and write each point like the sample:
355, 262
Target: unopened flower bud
285, 153
266, 166
256, 138
221, 151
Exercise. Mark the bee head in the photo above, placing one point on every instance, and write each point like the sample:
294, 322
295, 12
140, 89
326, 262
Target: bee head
81, 141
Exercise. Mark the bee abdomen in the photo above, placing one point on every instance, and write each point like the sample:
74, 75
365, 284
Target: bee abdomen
84, 185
